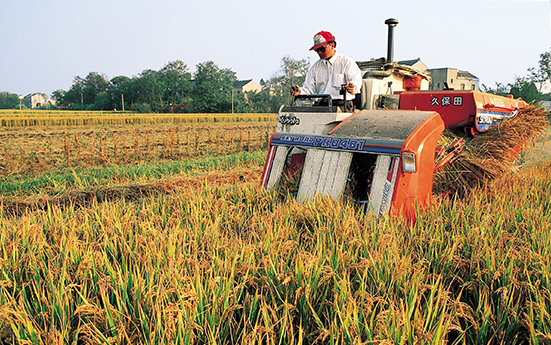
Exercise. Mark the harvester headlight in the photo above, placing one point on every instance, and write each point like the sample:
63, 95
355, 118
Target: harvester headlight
408, 162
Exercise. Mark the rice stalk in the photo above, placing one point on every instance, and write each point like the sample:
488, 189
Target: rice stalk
490, 156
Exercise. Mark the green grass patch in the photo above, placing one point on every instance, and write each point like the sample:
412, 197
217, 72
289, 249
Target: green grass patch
56, 181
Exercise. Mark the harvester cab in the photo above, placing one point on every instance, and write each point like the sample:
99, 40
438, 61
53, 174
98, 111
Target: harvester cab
381, 154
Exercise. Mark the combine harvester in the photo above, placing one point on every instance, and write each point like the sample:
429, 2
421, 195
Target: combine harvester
386, 152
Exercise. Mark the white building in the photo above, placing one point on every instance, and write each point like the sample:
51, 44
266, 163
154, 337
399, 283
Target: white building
544, 87
36, 100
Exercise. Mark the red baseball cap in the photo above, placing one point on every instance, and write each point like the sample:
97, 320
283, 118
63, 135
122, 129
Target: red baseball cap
321, 38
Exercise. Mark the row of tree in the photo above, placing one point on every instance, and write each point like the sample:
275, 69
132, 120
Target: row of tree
529, 87
9, 100
210, 89
174, 89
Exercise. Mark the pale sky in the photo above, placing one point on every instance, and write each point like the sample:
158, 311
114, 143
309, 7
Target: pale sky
45, 44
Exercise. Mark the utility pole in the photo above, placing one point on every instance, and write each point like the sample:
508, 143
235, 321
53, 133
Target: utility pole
122, 100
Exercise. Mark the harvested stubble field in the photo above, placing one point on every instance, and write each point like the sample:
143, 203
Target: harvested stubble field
29, 118
36, 149
212, 259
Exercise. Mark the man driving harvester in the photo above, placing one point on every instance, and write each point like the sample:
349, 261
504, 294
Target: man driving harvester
331, 73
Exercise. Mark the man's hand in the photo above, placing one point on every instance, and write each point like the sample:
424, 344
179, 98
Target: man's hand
295, 90
350, 88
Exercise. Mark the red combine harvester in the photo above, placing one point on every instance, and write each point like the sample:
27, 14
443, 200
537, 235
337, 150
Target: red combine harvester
383, 154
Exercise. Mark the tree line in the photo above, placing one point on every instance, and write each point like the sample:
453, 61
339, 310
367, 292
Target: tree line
174, 88
528, 87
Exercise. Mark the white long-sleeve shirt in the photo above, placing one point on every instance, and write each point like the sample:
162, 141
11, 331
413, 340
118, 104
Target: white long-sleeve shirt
327, 76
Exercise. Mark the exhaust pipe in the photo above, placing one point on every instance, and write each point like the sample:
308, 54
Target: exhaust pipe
391, 22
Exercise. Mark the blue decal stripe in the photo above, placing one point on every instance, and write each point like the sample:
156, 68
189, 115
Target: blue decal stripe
346, 144
483, 127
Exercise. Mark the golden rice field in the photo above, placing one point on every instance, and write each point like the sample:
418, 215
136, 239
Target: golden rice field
35, 148
29, 118
214, 259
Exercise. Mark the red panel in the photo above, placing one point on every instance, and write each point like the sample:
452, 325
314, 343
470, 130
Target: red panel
454, 106
268, 165
416, 188
460, 108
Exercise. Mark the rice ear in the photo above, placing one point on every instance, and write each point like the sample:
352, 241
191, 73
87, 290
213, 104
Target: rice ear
488, 156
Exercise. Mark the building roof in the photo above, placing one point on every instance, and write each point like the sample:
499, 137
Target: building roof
373, 64
37, 93
460, 74
376, 64
240, 83
409, 62
466, 75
